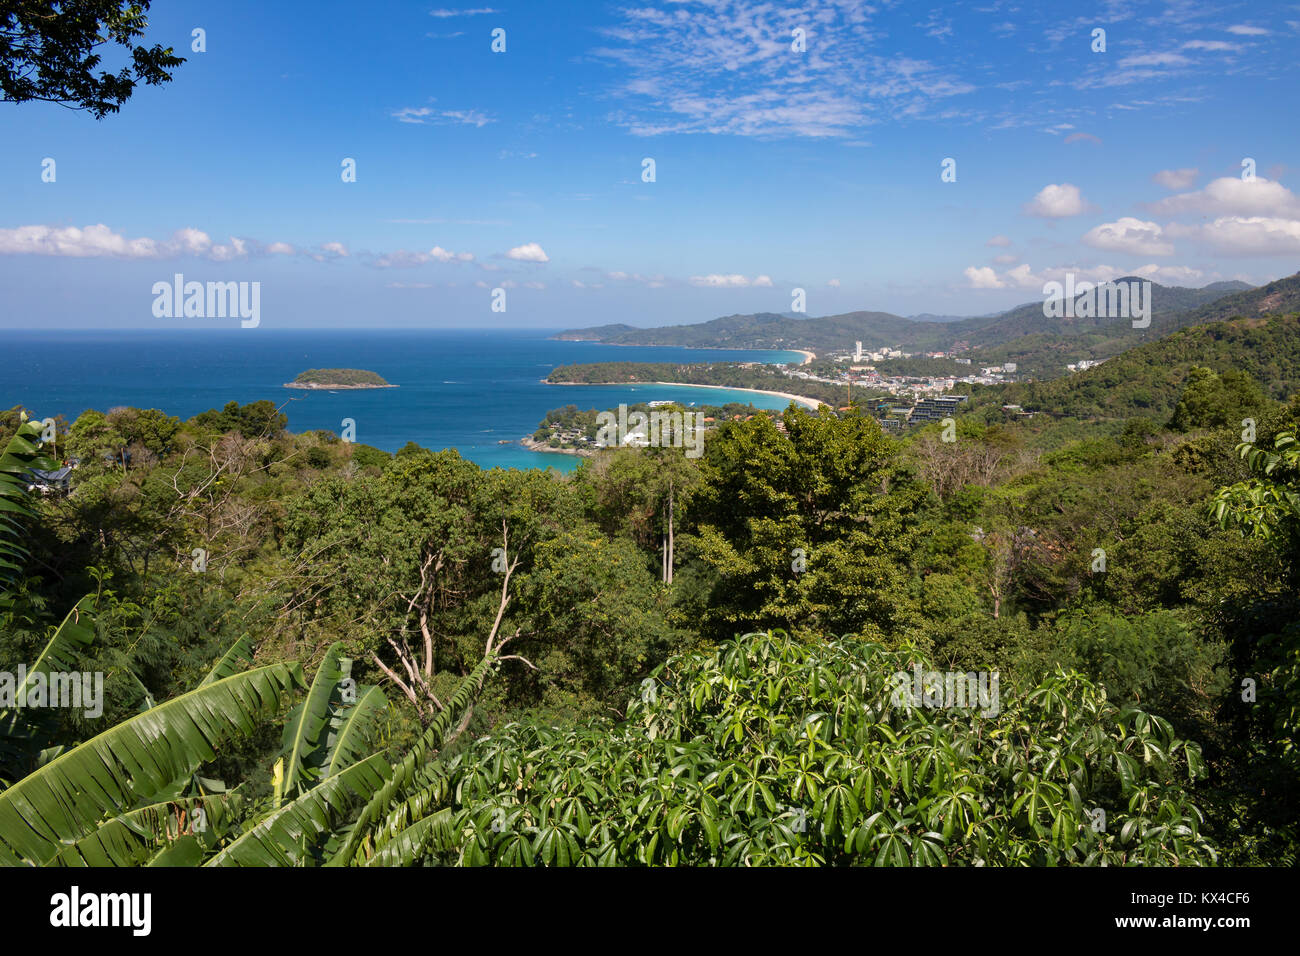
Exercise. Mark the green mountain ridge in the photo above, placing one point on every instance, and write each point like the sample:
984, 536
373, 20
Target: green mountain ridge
875, 329
1041, 345
1146, 381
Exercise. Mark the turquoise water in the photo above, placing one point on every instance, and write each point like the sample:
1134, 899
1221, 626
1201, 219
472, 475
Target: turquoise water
467, 390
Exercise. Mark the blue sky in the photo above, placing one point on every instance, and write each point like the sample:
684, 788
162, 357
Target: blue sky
775, 169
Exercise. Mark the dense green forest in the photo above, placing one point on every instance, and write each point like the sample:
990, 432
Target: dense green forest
1262, 354
314, 652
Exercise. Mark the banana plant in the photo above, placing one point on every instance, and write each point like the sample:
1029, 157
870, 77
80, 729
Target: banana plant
21, 455
92, 784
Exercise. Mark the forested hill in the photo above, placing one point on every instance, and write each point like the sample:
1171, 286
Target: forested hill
1170, 307
1042, 347
769, 330
1281, 296
1146, 381
763, 330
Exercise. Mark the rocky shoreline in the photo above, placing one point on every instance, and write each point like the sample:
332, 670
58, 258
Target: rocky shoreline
318, 385
532, 444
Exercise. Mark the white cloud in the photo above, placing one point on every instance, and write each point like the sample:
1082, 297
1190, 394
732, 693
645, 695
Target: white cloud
1217, 45
1176, 178
1245, 235
335, 249
404, 259
1169, 275
834, 283
1023, 277
1057, 202
983, 277
1129, 235
1242, 30
1154, 59
427, 116
99, 241
653, 282
440, 254
1001, 241
732, 281
1233, 196
280, 249
1005, 259
442, 13
528, 252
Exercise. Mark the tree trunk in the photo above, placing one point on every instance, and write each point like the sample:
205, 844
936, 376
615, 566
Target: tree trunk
668, 577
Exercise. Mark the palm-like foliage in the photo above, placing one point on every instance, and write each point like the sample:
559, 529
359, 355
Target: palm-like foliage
22, 734
305, 741
171, 832
772, 752
21, 455
70, 797
289, 834
407, 774
117, 799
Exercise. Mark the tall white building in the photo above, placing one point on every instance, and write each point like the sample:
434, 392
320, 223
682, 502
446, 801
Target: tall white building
857, 352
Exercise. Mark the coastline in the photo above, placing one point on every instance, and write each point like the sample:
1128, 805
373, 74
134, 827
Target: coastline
811, 403
532, 444
314, 385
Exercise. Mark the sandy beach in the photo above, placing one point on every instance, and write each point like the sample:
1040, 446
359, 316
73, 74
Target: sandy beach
807, 356
805, 402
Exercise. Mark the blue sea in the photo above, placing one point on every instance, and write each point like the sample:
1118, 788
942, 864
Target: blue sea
467, 390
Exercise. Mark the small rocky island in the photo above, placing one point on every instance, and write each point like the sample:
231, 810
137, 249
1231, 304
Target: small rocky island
338, 378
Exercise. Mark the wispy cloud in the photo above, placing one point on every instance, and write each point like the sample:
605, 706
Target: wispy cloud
101, 242
1176, 178
732, 68
404, 259
444, 13
1222, 46
428, 116
1155, 59
733, 281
